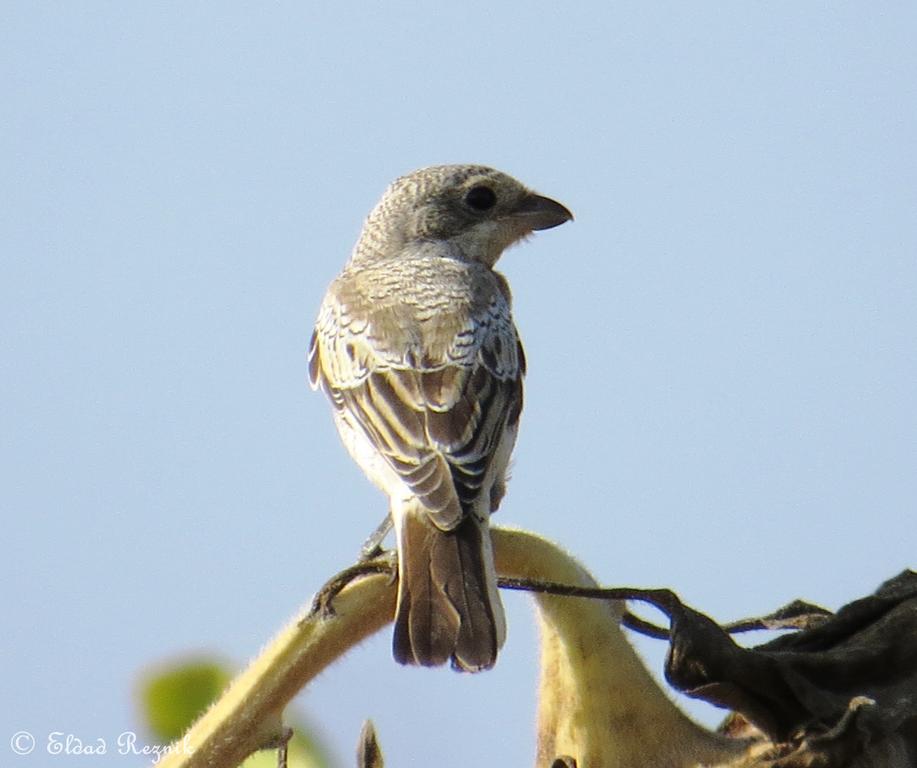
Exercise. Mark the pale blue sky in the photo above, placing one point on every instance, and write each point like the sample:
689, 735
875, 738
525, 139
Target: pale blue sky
722, 346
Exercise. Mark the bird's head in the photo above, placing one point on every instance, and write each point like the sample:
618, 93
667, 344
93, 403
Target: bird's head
477, 210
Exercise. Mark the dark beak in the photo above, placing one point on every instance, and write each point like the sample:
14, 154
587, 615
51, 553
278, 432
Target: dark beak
537, 212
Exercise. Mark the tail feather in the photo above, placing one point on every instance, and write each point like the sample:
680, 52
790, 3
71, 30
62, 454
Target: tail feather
448, 606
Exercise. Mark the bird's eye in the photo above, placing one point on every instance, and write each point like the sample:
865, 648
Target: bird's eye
481, 198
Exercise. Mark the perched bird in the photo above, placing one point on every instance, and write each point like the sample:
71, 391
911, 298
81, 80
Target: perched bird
416, 348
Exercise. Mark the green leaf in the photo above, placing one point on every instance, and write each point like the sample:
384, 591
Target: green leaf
173, 697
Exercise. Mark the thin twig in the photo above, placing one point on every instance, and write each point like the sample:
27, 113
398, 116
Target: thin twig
644, 627
796, 615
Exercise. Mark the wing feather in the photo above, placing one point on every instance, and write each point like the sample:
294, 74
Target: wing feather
437, 419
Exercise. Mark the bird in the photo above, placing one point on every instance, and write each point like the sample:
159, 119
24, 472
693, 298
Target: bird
416, 348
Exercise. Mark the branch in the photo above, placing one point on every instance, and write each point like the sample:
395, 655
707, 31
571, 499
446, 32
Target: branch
598, 704
248, 716
795, 615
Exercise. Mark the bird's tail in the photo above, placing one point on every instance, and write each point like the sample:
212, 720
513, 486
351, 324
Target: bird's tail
448, 605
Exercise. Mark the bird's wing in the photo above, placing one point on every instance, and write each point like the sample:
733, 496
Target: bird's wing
434, 401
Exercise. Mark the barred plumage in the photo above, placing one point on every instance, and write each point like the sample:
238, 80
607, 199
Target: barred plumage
416, 348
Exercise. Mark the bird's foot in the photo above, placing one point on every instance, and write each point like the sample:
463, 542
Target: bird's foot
372, 547
322, 602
